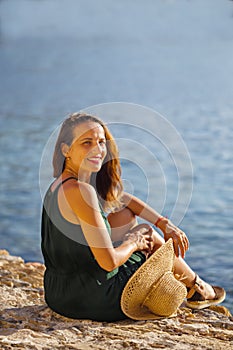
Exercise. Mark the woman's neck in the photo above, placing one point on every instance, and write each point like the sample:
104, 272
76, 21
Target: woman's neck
84, 177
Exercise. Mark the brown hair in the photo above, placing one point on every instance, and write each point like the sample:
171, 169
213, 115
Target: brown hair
107, 181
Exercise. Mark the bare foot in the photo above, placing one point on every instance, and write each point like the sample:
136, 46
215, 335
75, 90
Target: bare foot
203, 288
202, 295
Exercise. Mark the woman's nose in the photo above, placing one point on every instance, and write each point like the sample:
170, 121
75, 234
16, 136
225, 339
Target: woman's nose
97, 148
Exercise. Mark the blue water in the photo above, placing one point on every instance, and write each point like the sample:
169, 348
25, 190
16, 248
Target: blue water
175, 57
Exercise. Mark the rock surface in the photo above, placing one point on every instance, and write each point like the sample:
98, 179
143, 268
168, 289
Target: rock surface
27, 323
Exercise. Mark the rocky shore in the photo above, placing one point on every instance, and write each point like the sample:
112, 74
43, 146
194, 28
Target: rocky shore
27, 323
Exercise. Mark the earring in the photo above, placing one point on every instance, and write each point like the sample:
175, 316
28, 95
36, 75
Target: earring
68, 158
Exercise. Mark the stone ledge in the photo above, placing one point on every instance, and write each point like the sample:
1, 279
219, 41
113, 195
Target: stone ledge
27, 323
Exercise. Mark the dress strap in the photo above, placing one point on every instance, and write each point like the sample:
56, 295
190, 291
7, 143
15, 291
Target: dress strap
68, 178
62, 182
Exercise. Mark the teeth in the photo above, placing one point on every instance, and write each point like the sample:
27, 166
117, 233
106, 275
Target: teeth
95, 158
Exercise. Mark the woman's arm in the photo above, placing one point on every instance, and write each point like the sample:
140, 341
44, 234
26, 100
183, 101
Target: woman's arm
82, 199
141, 209
144, 211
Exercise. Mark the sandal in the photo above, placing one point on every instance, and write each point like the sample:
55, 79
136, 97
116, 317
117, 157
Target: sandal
196, 298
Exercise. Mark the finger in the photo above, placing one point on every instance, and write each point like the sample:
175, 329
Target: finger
148, 237
182, 249
151, 246
186, 243
150, 230
146, 231
143, 230
185, 240
182, 246
176, 247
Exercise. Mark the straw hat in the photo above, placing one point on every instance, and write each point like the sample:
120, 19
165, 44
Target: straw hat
153, 291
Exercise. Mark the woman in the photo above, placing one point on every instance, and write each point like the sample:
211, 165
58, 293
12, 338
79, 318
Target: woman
89, 257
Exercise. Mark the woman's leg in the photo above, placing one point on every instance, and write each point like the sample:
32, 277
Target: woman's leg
121, 222
182, 269
124, 220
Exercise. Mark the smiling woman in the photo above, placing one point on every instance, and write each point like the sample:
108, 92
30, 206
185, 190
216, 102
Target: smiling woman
90, 257
87, 151
86, 140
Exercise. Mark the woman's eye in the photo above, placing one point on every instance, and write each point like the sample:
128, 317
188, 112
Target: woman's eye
87, 142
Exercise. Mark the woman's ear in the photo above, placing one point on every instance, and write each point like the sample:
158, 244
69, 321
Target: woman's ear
65, 149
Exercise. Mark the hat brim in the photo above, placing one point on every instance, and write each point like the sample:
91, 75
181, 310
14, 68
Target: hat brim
140, 283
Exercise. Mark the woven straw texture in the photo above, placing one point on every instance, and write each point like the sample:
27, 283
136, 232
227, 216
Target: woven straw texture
146, 287
165, 296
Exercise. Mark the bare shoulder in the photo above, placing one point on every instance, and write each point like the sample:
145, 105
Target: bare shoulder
79, 187
80, 195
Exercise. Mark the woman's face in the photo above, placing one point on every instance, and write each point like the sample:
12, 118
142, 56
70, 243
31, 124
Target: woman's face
88, 149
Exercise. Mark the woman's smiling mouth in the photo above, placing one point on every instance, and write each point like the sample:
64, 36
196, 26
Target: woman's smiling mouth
95, 160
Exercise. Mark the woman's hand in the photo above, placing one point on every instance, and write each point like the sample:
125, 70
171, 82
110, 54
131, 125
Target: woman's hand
180, 240
141, 235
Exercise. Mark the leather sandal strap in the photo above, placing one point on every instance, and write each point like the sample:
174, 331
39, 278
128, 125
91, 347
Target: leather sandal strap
195, 288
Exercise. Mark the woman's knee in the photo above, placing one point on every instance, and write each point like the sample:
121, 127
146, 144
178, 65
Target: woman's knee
121, 222
121, 218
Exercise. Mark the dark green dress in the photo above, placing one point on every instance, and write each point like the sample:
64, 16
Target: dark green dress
75, 285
